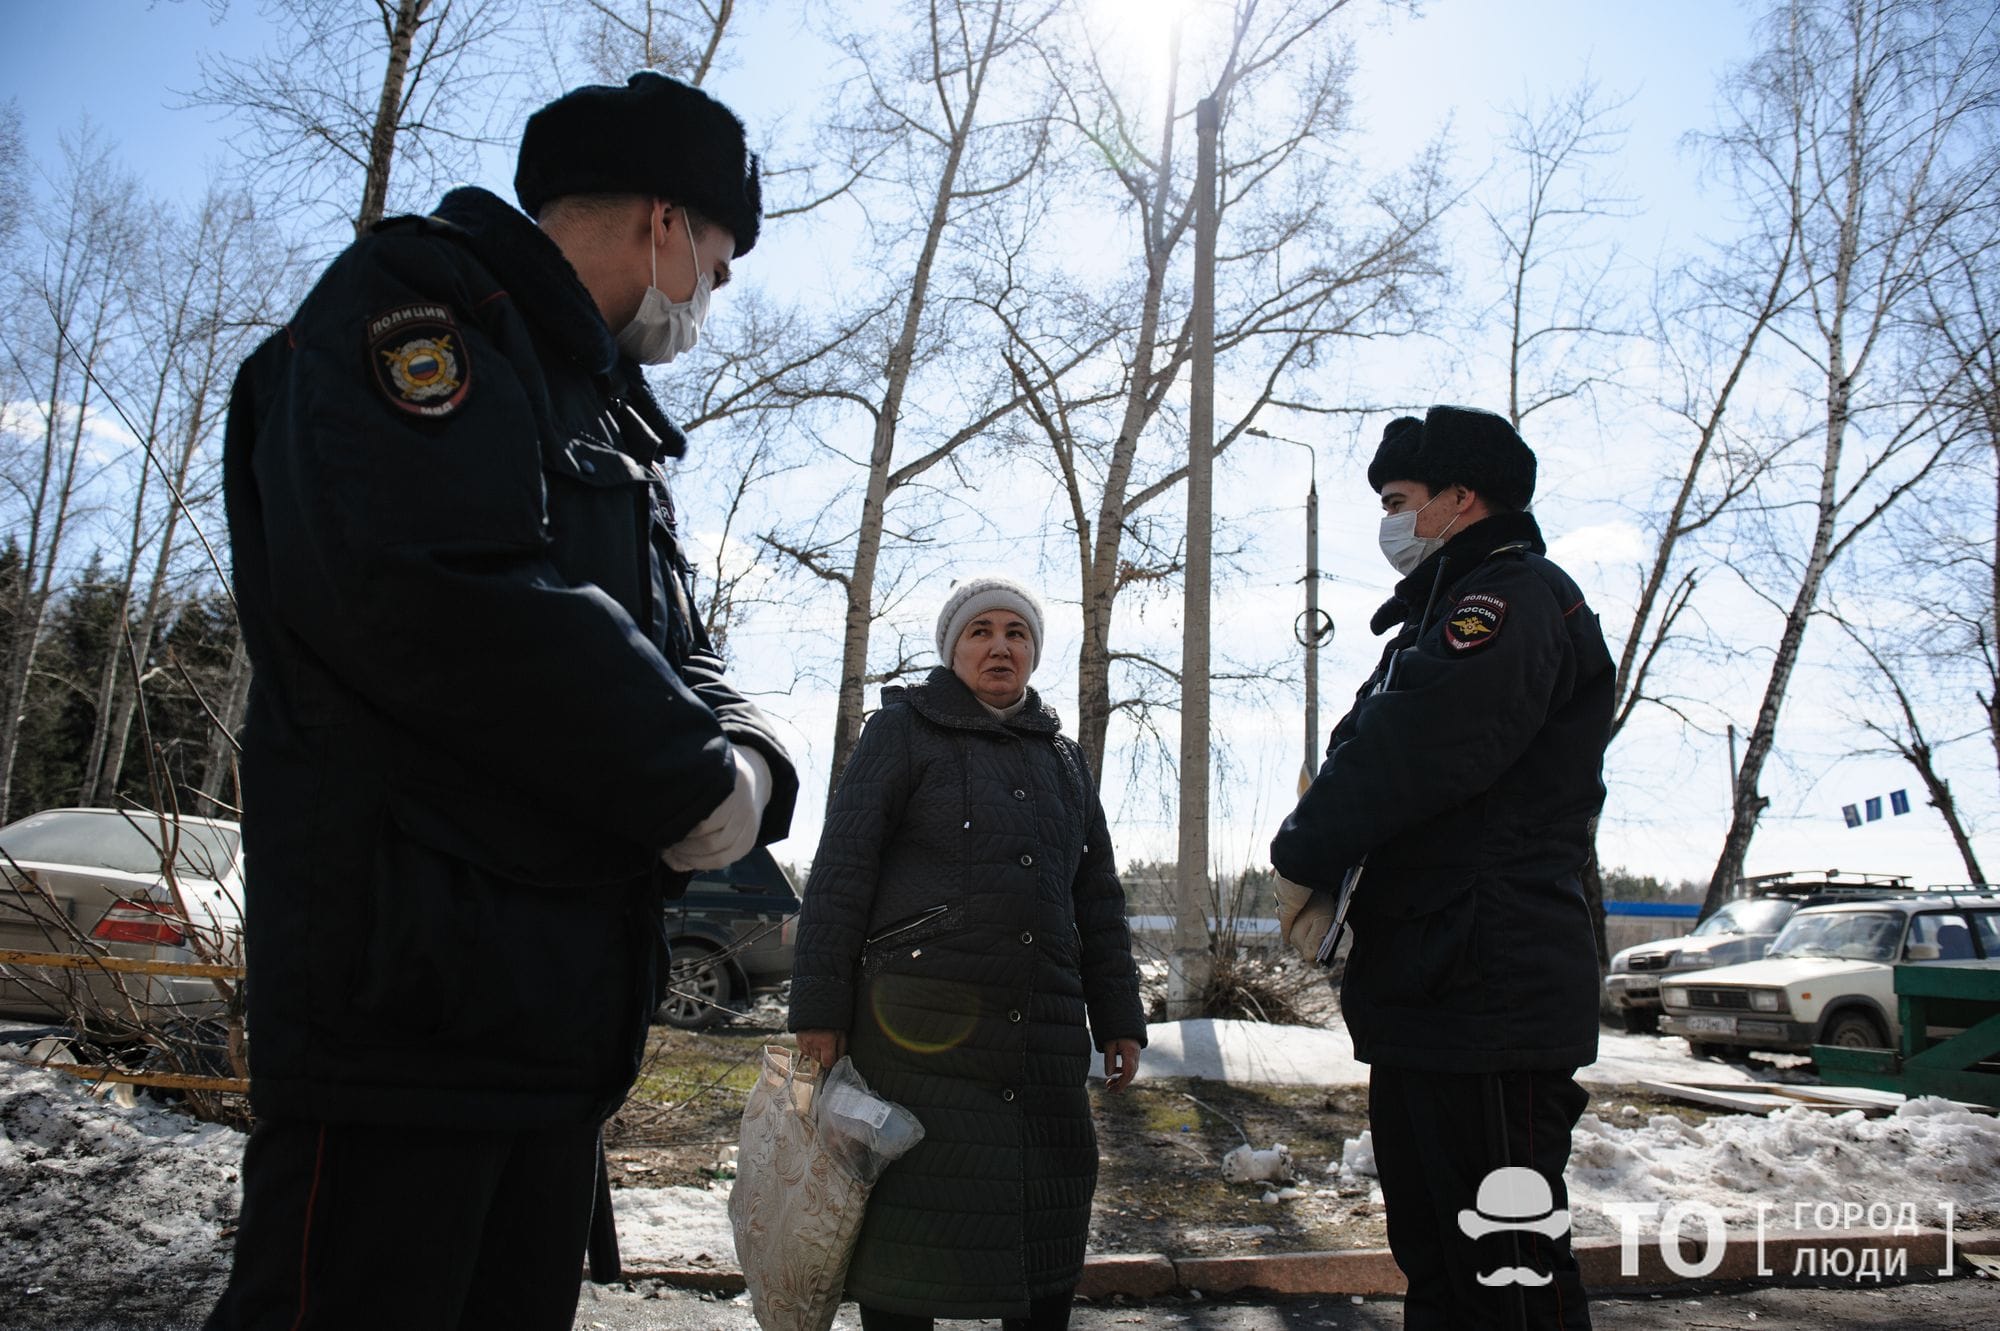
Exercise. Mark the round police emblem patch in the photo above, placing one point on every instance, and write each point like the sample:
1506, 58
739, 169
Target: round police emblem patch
420, 360
1474, 621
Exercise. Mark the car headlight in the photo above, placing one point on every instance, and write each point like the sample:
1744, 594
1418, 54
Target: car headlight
1621, 962
1674, 997
1767, 1000
1692, 961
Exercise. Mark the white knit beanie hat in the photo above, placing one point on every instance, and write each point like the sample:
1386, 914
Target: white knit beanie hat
975, 596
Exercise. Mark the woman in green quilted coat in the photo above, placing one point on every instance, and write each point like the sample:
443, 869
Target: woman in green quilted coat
964, 939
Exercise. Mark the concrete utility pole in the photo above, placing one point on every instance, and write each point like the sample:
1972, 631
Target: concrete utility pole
1188, 972
1311, 628
1308, 631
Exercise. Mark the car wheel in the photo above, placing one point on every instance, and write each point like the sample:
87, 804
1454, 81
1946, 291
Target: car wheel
698, 990
1855, 1030
1641, 1021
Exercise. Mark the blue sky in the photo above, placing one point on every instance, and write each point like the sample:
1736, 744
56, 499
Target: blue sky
120, 62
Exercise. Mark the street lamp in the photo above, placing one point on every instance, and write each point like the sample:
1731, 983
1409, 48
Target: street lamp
1313, 627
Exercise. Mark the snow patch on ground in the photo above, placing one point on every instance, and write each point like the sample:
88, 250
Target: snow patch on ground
1929, 1153
127, 1207
98, 1196
1255, 1051
674, 1227
121, 1201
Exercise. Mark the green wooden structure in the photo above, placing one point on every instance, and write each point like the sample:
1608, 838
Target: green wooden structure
1950, 994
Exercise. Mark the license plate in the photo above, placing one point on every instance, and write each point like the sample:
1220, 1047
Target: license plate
1711, 1025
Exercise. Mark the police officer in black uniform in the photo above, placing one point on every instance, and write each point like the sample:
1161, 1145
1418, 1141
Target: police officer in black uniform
1463, 783
487, 735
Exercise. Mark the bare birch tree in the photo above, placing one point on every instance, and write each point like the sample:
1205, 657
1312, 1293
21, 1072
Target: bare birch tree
211, 282
1856, 138
954, 132
1931, 582
1557, 266
67, 297
1904, 735
683, 38
1297, 273
1960, 540
363, 96
13, 173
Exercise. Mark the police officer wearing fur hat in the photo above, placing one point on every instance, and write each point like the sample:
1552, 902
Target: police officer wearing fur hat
487, 735
1463, 784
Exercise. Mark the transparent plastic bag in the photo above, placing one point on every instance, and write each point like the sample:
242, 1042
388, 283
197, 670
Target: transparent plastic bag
811, 1147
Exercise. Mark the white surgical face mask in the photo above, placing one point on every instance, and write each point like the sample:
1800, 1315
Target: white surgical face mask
663, 329
1401, 545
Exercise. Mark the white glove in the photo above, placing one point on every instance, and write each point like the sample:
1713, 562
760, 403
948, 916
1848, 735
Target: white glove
1304, 916
730, 830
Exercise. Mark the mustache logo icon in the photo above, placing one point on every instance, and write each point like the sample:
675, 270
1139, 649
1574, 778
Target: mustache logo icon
1514, 1275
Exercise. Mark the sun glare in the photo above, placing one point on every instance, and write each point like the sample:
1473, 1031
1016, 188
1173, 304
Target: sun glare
1136, 38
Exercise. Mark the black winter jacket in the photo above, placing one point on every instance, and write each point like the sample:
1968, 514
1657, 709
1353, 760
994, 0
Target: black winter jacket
481, 705
962, 920
1469, 786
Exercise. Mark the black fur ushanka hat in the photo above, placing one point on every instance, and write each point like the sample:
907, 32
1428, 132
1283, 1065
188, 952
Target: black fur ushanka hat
655, 136
1457, 446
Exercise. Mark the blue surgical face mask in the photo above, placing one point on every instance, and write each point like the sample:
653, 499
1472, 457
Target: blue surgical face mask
663, 329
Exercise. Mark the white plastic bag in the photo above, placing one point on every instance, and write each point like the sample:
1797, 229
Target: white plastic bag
810, 1149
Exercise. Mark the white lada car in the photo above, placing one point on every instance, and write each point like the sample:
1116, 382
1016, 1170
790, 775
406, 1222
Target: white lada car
1829, 976
1739, 932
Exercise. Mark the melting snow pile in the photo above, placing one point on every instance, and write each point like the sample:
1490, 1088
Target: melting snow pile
93, 1196
1929, 1153
674, 1227
130, 1206
1925, 1154
136, 1201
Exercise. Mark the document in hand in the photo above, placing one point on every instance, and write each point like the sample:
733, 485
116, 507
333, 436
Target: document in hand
811, 1148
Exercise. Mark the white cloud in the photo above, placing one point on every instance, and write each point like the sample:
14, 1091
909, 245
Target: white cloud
1601, 543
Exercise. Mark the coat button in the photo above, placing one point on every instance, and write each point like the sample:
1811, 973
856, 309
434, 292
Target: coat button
1027, 860
1020, 794
1013, 1014
586, 466
1027, 937
1008, 1095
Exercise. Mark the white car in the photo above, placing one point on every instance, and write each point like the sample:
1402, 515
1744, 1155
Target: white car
86, 881
1739, 932
1829, 976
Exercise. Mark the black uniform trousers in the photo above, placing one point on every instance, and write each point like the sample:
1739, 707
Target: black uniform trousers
1437, 1136
347, 1226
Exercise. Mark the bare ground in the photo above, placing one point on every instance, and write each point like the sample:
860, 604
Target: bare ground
1160, 1144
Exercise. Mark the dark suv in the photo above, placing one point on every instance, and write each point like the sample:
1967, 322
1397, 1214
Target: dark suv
732, 936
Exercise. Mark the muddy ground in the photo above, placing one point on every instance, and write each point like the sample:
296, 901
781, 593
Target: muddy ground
1161, 1144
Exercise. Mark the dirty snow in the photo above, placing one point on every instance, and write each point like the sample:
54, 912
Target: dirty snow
1927, 1154
127, 1203
675, 1227
96, 1193
1252, 1051
130, 1205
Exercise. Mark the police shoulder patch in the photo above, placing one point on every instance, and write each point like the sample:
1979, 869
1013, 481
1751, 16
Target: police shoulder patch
1474, 621
420, 360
